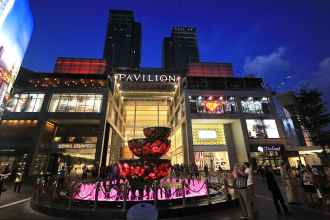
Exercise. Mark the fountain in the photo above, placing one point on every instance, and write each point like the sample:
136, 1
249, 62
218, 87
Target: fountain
145, 173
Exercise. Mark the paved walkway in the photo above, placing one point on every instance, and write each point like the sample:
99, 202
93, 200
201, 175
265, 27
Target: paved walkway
9, 196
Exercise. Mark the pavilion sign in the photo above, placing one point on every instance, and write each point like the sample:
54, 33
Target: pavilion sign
140, 77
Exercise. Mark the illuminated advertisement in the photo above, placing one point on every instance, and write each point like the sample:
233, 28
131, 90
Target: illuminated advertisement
16, 24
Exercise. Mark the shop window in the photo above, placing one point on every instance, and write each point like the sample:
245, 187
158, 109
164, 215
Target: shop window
75, 103
258, 128
25, 103
212, 104
208, 132
256, 105
213, 160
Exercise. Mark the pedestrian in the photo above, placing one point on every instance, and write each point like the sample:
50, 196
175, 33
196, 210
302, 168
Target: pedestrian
60, 179
275, 190
3, 176
288, 182
206, 171
84, 172
240, 185
308, 185
250, 184
18, 181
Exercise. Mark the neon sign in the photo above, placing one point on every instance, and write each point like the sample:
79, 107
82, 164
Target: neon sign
140, 77
211, 106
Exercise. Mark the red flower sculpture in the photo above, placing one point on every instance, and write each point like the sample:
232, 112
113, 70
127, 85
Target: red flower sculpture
149, 167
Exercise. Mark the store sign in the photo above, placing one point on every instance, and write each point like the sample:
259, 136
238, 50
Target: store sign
268, 148
139, 77
76, 145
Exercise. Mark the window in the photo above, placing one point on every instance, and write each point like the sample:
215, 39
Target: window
75, 103
208, 132
25, 103
256, 105
212, 104
262, 128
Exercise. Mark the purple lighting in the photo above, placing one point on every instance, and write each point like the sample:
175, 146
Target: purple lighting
169, 189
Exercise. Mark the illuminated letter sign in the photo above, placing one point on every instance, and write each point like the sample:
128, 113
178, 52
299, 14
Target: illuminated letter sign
139, 77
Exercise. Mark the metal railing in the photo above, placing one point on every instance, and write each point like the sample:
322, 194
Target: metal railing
214, 188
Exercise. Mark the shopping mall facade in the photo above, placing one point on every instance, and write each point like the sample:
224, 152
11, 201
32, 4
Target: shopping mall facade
87, 117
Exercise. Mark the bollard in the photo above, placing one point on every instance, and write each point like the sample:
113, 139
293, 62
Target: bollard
208, 191
125, 197
184, 193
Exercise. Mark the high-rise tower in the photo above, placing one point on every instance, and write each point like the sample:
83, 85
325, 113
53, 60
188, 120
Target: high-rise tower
180, 49
122, 48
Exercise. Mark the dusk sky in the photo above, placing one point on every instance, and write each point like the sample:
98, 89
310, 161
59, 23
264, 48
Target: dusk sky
285, 42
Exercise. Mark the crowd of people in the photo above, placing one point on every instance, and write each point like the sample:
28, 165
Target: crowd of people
303, 185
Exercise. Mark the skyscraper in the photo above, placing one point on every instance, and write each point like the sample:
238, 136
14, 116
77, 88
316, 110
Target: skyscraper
180, 49
122, 48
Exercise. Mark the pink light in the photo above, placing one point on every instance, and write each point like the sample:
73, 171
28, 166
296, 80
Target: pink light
196, 188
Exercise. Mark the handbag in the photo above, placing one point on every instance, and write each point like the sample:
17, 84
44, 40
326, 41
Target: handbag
241, 182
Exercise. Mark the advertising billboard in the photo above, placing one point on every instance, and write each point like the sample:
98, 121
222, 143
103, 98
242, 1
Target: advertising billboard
16, 24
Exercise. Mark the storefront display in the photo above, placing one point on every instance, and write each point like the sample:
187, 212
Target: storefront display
265, 155
257, 105
212, 104
76, 103
258, 128
25, 103
213, 160
208, 132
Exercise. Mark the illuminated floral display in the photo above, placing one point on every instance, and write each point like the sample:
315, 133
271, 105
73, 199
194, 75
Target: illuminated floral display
149, 167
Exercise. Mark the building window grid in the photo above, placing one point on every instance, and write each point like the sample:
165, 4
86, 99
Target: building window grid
25, 102
75, 103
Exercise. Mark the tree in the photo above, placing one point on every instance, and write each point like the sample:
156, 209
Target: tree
313, 116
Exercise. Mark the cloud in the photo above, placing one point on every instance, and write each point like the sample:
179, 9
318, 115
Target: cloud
264, 65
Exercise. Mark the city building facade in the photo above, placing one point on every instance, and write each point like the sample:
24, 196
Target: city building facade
82, 118
86, 111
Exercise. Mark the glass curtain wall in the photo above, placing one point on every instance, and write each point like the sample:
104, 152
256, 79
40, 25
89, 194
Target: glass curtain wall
144, 113
176, 150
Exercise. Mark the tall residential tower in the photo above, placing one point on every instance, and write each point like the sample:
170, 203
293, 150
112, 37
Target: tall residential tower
122, 48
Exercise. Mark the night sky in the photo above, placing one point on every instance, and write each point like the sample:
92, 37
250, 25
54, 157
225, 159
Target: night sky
285, 42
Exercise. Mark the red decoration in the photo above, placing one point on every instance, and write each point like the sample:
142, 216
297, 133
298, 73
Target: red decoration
149, 167
211, 106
